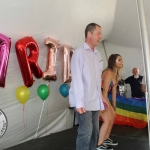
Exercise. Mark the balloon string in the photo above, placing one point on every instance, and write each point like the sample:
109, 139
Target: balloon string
47, 115
39, 120
48, 84
24, 123
45, 119
66, 111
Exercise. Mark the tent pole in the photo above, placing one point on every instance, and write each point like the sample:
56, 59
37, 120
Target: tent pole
146, 54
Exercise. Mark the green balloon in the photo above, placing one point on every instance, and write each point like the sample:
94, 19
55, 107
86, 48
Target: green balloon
43, 91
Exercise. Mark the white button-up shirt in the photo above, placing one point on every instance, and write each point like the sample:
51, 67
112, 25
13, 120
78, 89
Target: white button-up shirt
86, 69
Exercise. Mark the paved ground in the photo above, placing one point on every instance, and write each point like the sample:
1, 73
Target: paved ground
129, 138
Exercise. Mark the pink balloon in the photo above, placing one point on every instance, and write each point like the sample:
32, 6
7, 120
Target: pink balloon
50, 73
67, 52
5, 44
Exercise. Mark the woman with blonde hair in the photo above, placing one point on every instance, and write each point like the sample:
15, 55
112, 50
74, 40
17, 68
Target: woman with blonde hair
110, 78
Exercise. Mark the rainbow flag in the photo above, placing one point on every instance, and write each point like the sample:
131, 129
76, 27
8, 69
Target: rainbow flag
130, 111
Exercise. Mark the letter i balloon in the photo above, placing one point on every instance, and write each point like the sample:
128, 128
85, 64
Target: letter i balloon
50, 73
67, 52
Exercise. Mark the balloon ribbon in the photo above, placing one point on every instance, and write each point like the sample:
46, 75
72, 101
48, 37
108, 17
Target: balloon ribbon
39, 120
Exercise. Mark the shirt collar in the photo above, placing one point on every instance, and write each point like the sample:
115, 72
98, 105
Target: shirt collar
87, 47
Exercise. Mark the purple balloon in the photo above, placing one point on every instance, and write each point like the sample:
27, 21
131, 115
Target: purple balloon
5, 44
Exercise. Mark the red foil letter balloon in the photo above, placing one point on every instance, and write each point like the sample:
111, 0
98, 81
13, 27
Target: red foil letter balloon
28, 64
53, 46
67, 53
5, 44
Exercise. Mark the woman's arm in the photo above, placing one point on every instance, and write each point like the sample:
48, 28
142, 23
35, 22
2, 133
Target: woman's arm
106, 77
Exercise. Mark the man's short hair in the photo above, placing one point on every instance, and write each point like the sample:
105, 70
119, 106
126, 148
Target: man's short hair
90, 28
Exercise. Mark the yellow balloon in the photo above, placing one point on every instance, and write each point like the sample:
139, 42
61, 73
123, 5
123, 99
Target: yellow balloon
22, 94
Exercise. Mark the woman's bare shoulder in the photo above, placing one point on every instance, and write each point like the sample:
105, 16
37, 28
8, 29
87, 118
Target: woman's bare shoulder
108, 71
107, 74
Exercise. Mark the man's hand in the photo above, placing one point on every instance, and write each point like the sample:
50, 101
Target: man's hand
106, 103
81, 110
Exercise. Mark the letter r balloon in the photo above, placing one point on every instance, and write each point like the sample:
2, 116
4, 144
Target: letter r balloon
28, 64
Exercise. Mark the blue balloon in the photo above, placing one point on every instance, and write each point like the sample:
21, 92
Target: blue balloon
64, 90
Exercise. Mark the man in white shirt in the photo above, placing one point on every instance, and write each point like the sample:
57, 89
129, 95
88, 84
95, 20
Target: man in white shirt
85, 91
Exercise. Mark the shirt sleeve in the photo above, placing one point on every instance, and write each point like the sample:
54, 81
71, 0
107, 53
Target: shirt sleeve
77, 82
127, 81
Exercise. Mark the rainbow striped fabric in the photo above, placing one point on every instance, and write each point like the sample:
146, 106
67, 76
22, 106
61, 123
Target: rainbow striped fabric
130, 111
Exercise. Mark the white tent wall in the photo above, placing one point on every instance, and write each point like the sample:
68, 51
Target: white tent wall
63, 20
132, 57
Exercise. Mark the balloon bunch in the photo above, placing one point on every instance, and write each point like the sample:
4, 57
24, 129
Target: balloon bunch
28, 66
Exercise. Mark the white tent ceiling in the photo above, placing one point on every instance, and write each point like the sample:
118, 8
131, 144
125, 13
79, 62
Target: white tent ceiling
125, 30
